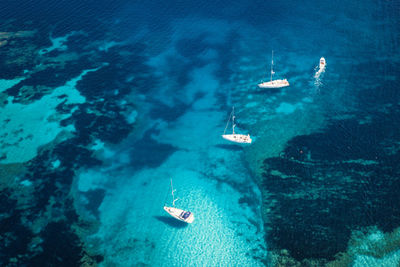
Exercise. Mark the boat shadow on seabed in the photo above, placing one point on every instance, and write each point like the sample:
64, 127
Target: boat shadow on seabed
171, 221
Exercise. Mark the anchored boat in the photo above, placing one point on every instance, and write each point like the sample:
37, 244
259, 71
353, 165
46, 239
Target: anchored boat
179, 214
273, 83
234, 137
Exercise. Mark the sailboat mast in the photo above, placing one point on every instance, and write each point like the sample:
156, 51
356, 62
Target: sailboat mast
233, 120
272, 64
173, 197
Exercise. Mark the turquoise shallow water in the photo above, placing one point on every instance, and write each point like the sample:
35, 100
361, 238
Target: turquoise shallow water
210, 180
101, 104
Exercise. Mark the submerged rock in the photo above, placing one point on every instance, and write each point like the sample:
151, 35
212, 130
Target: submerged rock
327, 185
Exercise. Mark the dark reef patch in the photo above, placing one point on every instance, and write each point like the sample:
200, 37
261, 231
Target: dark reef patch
126, 70
49, 77
16, 57
163, 111
61, 247
94, 197
100, 83
53, 183
73, 155
143, 151
109, 127
192, 47
41, 227
227, 54
327, 184
51, 196
14, 236
167, 113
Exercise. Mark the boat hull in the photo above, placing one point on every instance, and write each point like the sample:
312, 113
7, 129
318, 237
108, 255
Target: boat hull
274, 84
238, 138
322, 65
178, 214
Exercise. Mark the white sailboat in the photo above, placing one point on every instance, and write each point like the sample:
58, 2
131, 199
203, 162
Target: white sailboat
179, 214
273, 83
234, 137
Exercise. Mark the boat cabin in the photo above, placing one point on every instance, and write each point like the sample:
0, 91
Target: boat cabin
185, 214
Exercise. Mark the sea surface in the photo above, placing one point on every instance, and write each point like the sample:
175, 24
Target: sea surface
102, 103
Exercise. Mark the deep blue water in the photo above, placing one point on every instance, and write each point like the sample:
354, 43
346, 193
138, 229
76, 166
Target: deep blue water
101, 103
